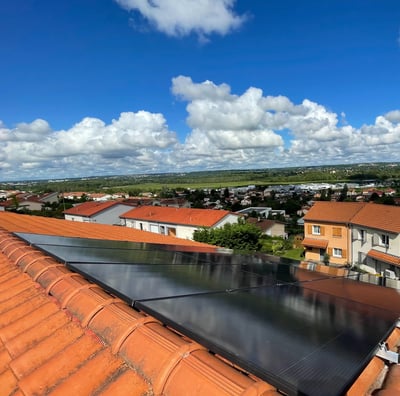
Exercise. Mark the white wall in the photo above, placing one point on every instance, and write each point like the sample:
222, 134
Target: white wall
108, 216
182, 231
363, 247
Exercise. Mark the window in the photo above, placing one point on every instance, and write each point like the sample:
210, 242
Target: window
337, 252
316, 230
384, 240
337, 232
362, 235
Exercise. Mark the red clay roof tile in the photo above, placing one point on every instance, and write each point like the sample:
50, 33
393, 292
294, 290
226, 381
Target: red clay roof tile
13, 222
92, 208
381, 217
381, 256
333, 212
186, 216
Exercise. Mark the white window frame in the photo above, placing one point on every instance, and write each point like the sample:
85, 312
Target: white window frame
337, 252
316, 230
384, 240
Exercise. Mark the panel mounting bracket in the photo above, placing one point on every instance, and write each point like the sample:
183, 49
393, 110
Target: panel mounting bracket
385, 354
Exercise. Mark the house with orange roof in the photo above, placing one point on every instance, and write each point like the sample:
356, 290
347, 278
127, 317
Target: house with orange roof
375, 233
178, 222
100, 197
366, 235
107, 212
327, 231
74, 195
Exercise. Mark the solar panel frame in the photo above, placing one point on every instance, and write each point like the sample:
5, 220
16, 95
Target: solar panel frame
78, 254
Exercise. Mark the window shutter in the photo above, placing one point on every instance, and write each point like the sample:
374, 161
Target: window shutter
322, 230
309, 229
330, 251
336, 232
344, 253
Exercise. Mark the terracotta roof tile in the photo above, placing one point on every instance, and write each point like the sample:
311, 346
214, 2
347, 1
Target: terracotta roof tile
187, 216
318, 243
335, 212
91, 208
41, 225
382, 217
381, 256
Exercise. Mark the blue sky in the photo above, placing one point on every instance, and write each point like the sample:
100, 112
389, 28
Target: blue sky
96, 87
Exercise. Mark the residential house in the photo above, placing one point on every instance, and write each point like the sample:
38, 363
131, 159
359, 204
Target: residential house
74, 195
178, 222
366, 235
375, 232
51, 197
327, 231
99, 197
269, 227
107, 212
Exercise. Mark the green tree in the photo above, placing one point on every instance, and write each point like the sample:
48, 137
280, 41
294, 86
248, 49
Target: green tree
239, 236
343, 193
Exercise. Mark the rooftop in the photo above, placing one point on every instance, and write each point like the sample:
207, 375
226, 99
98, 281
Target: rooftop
334, 212
61, 334
186, 216
91, 208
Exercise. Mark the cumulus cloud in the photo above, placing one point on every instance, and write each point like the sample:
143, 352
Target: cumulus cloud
242, 131
127, 144
184, 17
249, 130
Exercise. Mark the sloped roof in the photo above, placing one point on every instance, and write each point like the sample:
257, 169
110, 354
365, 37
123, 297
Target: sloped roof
184, 216
381, 217
313, 242
333, 212
381, 256
91, 208
14, 222
263, 224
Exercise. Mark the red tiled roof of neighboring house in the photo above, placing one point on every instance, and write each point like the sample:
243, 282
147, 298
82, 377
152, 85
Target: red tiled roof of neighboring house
381, 256
91, 208
382, 217
186, 216
14, 222
333, 212
61, 335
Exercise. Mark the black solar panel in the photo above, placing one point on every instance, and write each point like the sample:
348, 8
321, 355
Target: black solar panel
303, 332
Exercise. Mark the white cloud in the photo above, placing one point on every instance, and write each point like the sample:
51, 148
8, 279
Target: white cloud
183, 17
393, 116
247, 130
91, 146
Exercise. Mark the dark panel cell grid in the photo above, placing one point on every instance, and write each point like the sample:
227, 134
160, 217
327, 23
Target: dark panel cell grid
304, 332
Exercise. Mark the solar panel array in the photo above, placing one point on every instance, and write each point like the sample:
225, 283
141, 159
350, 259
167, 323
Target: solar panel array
303, 332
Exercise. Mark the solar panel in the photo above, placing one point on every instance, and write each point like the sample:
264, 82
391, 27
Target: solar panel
304, 332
